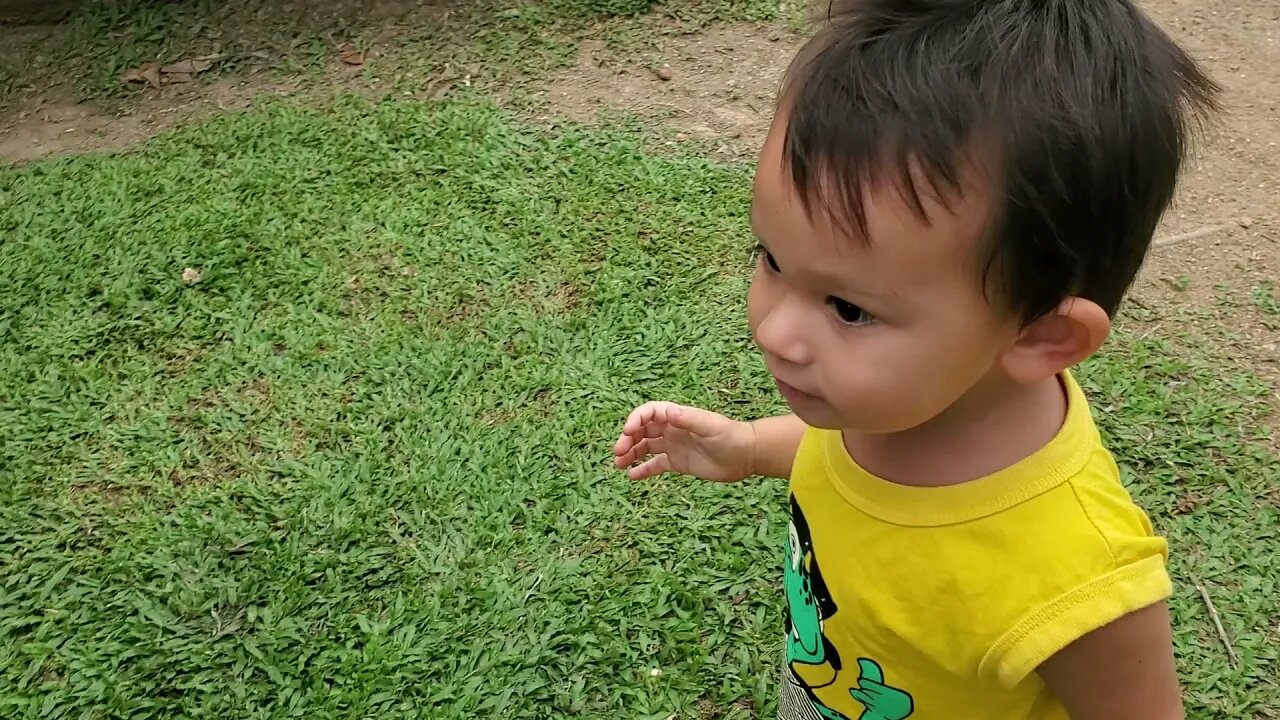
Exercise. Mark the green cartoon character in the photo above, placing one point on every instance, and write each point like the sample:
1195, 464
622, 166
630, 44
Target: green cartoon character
812, 660
881, 701
810, 654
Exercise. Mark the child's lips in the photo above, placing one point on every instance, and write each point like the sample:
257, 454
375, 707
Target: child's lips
793, 393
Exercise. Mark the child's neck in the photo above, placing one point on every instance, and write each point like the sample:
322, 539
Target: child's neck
994, 426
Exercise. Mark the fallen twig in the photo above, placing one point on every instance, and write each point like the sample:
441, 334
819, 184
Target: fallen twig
532, 588
642, 107
441, 84
1217, 624
1183, 237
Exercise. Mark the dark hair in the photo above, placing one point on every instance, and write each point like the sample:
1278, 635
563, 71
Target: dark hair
1079, 110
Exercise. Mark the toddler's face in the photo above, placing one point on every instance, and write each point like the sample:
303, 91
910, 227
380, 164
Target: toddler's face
876, 336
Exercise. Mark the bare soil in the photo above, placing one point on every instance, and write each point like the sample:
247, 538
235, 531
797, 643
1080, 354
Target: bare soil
719, 85
1228, 205
53, 126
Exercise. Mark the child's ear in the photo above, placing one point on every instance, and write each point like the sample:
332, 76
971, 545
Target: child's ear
1060, 339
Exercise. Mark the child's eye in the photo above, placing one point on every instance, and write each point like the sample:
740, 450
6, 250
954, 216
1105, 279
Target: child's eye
849, 313
768, 258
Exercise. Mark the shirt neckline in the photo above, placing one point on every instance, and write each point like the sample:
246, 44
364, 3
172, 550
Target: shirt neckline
1058, 460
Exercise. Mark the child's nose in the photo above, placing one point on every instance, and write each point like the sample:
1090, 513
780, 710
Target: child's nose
782, 333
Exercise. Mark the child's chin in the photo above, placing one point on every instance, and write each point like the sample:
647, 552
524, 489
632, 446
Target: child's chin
822, 416
816, 415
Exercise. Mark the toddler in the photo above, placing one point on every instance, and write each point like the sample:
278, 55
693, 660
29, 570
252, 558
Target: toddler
952, 200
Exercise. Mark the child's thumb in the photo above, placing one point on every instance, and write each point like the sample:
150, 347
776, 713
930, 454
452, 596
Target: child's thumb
695, 420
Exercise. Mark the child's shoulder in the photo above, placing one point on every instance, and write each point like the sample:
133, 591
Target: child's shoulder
1087, 554
1084, 499
1108, 511
1096, 483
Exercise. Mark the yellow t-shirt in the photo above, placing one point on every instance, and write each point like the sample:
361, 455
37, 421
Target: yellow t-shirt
923, 603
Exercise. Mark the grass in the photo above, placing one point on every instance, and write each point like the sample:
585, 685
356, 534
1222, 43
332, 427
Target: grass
497, 40
361, 466
1264, 299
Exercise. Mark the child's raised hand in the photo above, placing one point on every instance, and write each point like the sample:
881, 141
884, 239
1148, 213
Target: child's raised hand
661, 437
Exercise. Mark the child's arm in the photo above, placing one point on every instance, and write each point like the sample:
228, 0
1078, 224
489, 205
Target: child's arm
776, 442
1121, 671
660, 437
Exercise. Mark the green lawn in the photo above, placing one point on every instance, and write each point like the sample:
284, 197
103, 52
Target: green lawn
361, 468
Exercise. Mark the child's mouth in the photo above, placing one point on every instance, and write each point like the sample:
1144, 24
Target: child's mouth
792, 393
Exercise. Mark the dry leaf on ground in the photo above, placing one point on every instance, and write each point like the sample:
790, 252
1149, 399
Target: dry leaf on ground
187, 70
350, 54
148, 73
186, 67
178, 72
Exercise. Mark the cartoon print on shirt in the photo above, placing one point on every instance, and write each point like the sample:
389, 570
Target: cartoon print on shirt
810, 655
812, 659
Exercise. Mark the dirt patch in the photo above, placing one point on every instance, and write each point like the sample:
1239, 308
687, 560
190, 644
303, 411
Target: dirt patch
1220, 243
45, 127
719, 85
35, 12
209, 450
561, 297
59, 128
250, 50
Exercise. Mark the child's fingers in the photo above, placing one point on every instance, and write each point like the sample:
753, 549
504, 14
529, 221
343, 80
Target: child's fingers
628, 440
652, 467
646, 414
637, 419
696, 420
622, 460
650, 446
642, 436
625, 442
644, 448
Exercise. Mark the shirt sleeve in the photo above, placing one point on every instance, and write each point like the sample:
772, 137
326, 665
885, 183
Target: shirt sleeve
1045, 630
1128, 575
